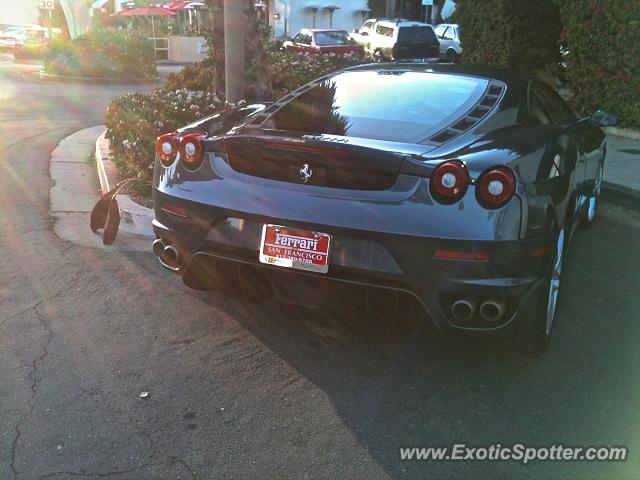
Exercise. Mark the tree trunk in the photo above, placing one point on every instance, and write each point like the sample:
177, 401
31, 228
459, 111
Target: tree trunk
216, 45
257, 39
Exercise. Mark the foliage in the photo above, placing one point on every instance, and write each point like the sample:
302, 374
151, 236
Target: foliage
519, 35
197, 76
289, 70
134, 121
603, 63
101, 54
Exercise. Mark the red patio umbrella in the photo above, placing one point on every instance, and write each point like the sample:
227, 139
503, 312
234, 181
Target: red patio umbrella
149, 11
177, 5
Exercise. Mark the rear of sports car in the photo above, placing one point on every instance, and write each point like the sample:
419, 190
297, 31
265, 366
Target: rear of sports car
373, 177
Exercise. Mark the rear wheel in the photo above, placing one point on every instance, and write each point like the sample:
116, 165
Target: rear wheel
539, 326
592, 204
378, 57
452, 56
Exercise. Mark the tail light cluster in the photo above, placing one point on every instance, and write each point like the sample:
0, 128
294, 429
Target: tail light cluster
449, 182
189, 146
494, 187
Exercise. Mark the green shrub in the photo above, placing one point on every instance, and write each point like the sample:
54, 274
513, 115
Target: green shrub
290, 70
197, 76
603, 63
102, 54
286, 71
134, 121
519, 35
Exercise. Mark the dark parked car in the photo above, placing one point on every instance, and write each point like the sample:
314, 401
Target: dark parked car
453, 185
315, 40
398, 39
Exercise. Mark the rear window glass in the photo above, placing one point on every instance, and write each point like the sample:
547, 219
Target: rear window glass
397, 106
333, 38
416, 35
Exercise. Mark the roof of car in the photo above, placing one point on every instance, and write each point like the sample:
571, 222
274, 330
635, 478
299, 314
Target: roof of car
510, 78
318, 30
403, 23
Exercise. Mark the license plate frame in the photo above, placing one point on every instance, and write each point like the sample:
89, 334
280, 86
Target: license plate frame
295, 248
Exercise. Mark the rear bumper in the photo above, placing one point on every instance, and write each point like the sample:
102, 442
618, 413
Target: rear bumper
397, 262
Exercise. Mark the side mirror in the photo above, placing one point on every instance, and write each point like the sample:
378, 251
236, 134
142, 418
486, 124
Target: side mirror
355, 30
600, 118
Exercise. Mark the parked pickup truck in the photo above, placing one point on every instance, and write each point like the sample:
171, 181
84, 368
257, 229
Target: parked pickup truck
398, 39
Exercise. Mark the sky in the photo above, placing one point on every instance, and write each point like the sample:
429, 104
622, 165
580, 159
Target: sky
18, 11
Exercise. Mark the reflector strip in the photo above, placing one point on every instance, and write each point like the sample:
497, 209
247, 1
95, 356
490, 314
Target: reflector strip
180, 212
459, 255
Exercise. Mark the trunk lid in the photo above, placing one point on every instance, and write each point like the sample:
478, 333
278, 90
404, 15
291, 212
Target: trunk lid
321, 160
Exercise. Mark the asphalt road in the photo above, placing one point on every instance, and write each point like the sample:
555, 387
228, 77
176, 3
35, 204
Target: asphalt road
244, 391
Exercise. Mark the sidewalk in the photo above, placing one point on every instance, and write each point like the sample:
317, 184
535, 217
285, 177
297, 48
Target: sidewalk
75, 189
622, 164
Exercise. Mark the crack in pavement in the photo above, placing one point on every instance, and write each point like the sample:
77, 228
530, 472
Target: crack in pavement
57, 294
155, 452
35, 380
94, 474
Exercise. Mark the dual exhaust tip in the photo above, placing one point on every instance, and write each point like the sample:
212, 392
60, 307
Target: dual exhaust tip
464, 309
168, 254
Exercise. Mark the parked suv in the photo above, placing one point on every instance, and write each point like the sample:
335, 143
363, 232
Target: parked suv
450, 45
398, 39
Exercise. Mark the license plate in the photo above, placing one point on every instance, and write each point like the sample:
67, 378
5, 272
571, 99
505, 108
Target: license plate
286, 247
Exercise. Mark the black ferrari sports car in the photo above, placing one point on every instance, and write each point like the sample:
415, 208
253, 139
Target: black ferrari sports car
457, 186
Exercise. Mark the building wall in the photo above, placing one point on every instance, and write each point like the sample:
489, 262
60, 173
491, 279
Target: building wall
296, 14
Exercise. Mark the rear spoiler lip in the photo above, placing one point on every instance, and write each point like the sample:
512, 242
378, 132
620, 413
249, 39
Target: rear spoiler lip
412, 157
324, 141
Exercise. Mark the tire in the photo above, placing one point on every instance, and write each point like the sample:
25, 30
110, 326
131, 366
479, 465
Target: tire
592, 203
538, 327
378, 57
452, 56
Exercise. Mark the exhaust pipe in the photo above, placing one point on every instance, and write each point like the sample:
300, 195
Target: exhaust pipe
171, 256
492, 310
464, 309
158, 247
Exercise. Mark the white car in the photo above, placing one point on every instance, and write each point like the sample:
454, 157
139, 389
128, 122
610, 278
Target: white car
11, 36
385, 40
449, 38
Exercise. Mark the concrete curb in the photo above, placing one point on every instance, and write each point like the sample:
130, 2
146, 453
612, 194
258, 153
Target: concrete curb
621, 195
136, 219
74, 192
109, 81
623, 132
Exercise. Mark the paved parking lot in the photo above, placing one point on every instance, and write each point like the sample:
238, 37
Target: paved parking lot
237, 390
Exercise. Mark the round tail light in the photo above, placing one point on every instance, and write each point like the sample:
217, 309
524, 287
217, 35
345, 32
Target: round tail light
167, 148
191, 150
495, 187
449, 181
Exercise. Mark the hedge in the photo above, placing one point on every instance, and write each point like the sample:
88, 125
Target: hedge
603, 63
134, 121
101, 54
520, 35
